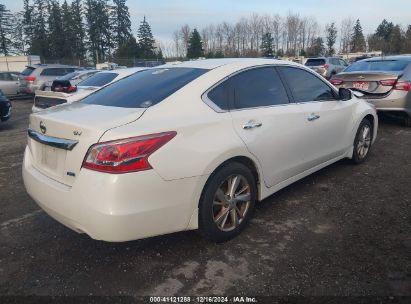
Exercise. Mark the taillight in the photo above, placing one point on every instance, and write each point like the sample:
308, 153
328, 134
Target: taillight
336, 81
388, 82
125, 155
29, 78
403, 86
71, 89
326, 66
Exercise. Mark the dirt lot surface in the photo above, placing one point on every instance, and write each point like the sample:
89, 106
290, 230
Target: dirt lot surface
345, 230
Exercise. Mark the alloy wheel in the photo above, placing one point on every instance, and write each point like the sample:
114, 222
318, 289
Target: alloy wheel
231, 202
364, 141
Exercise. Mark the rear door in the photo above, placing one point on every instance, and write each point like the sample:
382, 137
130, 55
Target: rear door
328, 120
272, 129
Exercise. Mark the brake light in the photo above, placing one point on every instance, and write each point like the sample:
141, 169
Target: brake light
29, 78
125, 155
326, 66
403, 86
388, 82
71, 89
336, 81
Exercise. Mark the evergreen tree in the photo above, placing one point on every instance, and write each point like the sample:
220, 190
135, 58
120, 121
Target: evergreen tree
145, 41
67, 31
98, 30
331, 38
397, 40
122, 23
358, 40
5, 30
56, 37
407, 43
17, 37
39, 43
317, 48
78, 31
28, 23
195, 45
267, 45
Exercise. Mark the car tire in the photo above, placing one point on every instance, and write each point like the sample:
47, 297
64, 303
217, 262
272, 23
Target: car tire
222, 213
362, 142
407, 121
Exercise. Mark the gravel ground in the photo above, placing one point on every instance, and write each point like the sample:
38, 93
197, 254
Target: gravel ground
345, 230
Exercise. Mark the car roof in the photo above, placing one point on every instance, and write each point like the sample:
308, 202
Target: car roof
210, 64
123, 72
52, 65
395, 57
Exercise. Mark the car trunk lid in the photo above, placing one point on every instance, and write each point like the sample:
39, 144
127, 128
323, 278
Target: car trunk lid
59, 138
372, 83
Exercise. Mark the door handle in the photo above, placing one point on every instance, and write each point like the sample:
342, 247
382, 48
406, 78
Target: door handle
251, 125
313, 117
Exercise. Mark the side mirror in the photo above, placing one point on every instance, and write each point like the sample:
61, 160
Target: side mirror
344, 94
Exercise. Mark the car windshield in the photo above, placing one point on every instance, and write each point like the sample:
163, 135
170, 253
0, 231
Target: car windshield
380, 65
315, 62
68, 76
98, 80
144, 89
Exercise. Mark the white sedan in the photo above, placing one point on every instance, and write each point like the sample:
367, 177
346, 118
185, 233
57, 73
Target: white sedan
47, 99
188, 146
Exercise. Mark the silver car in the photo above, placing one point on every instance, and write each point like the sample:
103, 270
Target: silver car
384, 81
38, 76
326, 66
9, 83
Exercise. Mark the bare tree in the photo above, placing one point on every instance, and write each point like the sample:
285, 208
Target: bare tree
346, 33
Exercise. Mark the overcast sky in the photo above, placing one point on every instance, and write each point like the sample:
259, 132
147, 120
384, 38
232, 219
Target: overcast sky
165, 16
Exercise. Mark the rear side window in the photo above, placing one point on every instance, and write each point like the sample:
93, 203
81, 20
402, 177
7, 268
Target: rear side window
5, 77
315, 62
144, 88
258, 87
54, 72
27, 71
98, 80
381, 65
305, 86
219, 95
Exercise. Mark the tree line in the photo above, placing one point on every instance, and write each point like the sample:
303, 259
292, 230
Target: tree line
85, 31
76, 32
292, 35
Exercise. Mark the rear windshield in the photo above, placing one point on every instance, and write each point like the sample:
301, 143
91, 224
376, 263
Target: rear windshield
145, 88
27, 71
381, 65
68, 76
315, 62
98, 80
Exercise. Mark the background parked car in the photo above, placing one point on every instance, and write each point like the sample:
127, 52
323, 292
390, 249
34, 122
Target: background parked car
384, 81
46, 99
36, 77
5, 107
68, 82
326, 66
9, 83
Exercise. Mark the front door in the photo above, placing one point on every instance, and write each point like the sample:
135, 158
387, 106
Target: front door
272, 128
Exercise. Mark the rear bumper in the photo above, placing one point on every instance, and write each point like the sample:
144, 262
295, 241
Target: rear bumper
116, 208
396, 101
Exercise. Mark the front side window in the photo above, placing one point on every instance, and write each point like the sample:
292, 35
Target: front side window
305, 86
143, 89
258, 87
